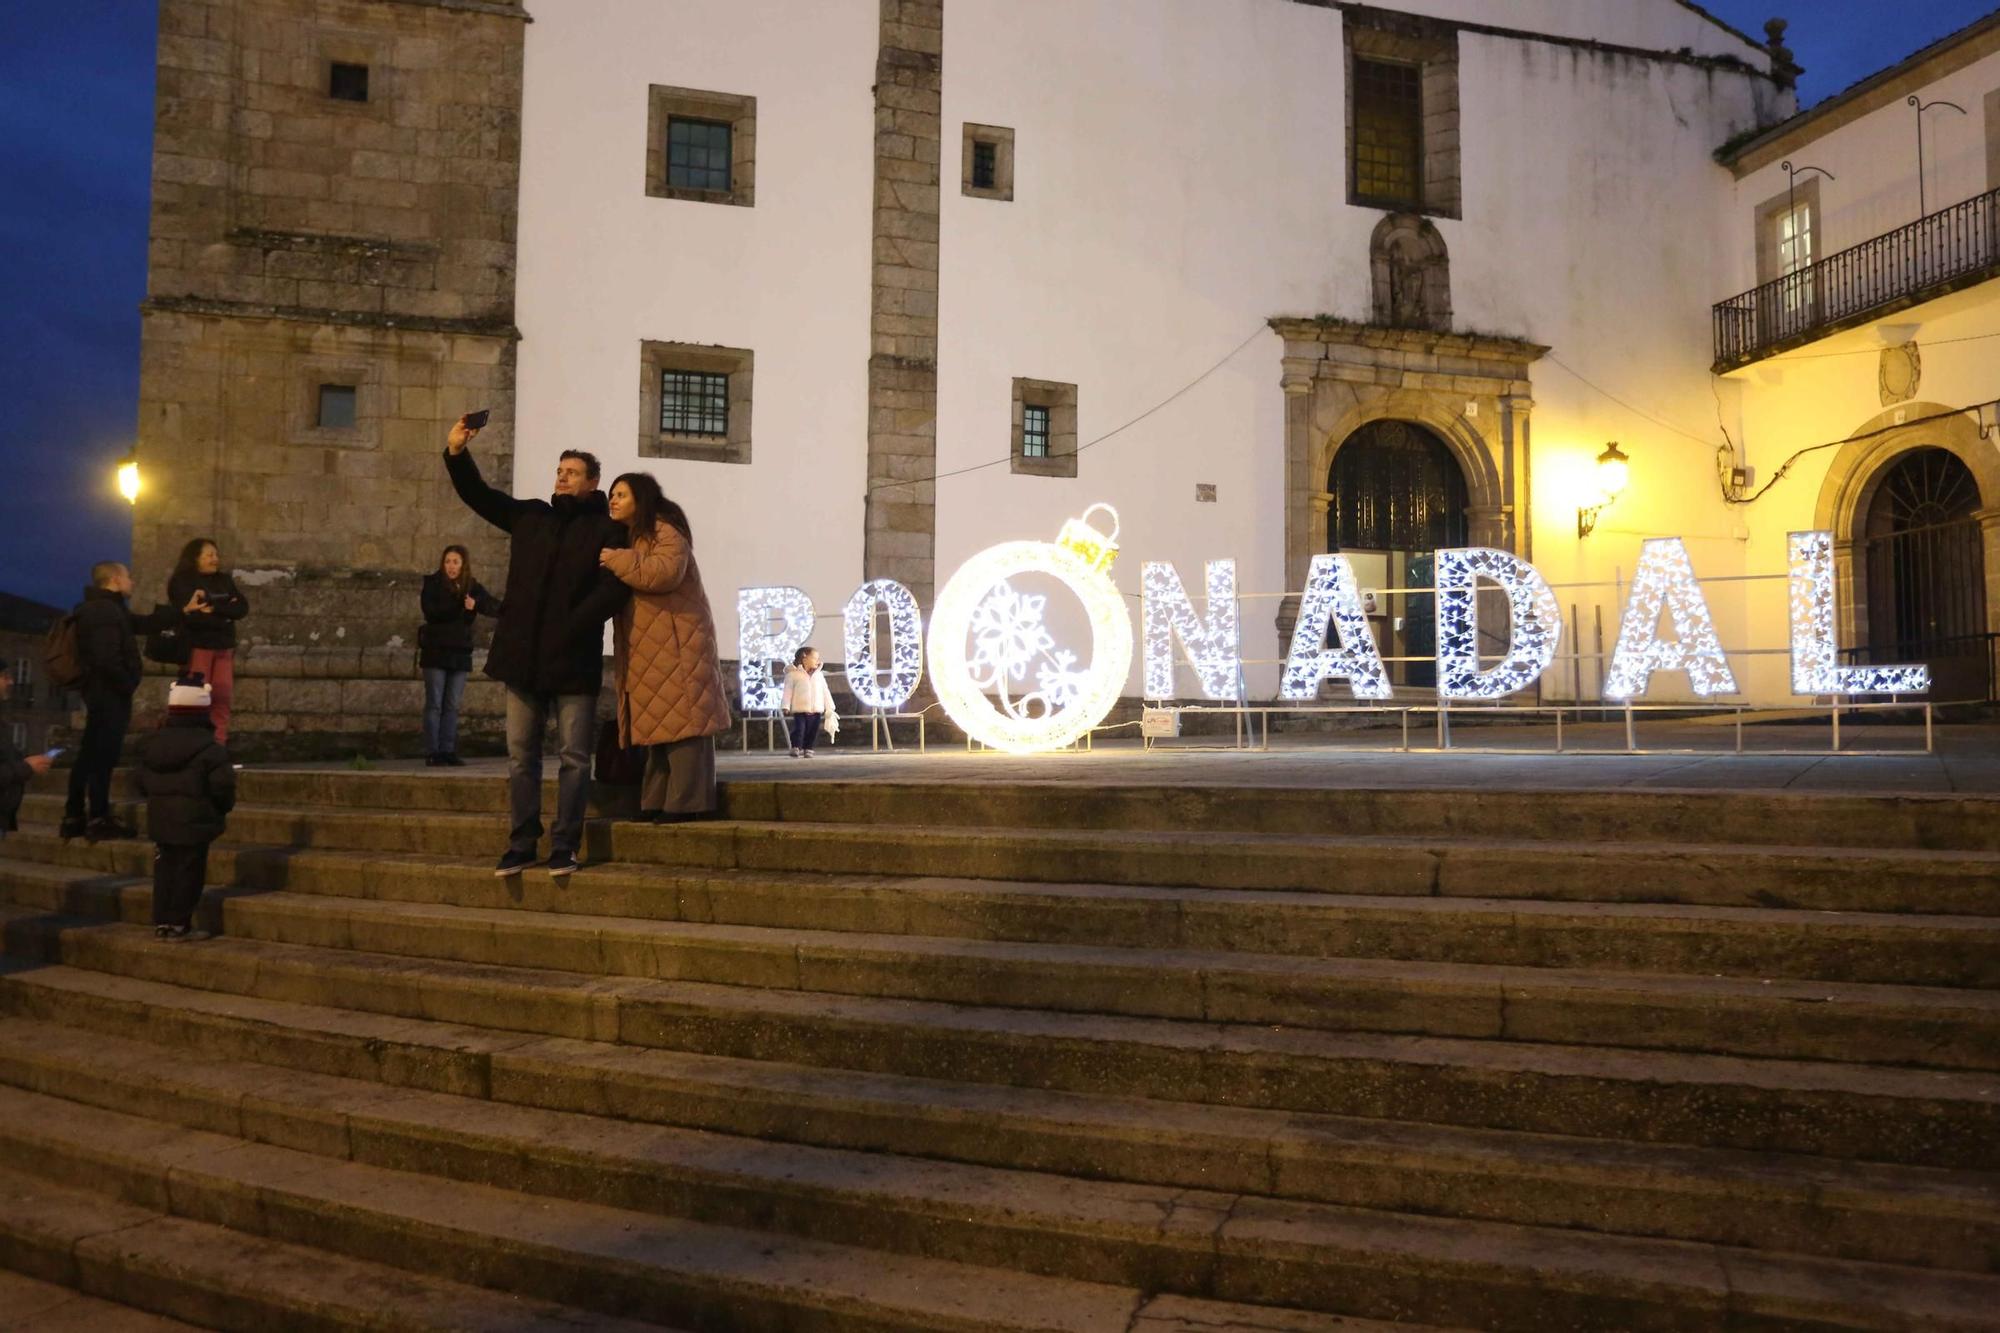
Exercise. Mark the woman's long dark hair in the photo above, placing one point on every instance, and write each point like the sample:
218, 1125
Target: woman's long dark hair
464, 581
191, 556
650, 506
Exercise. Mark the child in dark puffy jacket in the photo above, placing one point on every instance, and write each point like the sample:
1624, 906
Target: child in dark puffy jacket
189, 786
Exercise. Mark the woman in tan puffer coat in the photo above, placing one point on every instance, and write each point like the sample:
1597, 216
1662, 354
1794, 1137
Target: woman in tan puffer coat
671, 696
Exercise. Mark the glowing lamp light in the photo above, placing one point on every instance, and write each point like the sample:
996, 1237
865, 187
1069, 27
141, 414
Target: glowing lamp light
986, 635
1815, 669
771, 625
1613, 472
128, 478
906, 644
1665, 580
1214, 645
1537, 623
1332, 599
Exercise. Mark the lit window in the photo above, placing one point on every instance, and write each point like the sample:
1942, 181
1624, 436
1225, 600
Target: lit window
347, 83
1388, 133
1034, 432
697, 154
336, 407
1795, 256
694, 402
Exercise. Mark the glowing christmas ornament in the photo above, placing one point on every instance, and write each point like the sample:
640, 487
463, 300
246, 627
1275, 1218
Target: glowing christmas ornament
1214, 645
1815, 669
771, 625
1332, 598
906, 644
1665, 580
1537, 623
987, 635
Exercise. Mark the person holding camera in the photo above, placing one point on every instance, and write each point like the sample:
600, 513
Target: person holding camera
210, 629
548, 642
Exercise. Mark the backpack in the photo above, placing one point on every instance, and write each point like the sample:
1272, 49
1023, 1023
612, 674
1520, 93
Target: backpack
60, 653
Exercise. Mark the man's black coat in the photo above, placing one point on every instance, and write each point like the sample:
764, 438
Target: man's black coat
107, 642
550, 635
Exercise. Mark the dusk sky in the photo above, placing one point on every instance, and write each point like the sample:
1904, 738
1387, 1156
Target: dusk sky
76, 119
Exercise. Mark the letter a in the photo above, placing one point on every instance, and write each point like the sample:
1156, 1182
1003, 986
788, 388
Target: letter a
1332, 597
1665, 580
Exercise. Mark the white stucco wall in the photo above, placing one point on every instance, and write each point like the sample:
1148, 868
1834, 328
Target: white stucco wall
603, 267
1180, 179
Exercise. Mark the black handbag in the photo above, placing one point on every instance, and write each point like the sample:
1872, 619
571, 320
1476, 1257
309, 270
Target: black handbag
170, 646
618, 765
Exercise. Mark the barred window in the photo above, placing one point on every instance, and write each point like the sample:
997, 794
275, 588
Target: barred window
985, 165
1388, 132
1034, 431
697, 154
694, 402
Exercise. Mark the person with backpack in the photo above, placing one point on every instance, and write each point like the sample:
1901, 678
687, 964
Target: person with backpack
190, 788
548, 644
211, 626
95, 650
451, 598
16, 770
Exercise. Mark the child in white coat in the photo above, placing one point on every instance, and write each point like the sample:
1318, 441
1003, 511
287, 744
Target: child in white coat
807, 703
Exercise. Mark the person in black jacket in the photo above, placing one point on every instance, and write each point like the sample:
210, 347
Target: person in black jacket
16, 770
190, 787
451, 598
548, 644
107, 647
211, 626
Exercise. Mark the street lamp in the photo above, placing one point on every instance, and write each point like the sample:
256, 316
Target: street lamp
1613, 471
128, 478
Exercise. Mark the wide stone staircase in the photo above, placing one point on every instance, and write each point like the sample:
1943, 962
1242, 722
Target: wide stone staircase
1011, 1055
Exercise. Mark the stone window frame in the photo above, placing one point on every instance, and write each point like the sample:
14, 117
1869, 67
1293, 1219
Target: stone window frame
1430, 45
1060, 400
739, 363
370, 403
738, 111
1002, 140
1993, 140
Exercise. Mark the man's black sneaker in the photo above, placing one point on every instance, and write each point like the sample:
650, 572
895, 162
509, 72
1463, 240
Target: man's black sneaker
170, 934
562, 863
451, 760
107, 829
72, 827
513, 863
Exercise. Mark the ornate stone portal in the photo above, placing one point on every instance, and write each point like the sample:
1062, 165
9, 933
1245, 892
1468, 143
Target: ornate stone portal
1471, 390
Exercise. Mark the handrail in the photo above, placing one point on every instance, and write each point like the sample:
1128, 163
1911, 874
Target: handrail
1937, 251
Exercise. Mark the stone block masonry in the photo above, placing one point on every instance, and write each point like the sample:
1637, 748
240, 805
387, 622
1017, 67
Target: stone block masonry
900, 540
309, 247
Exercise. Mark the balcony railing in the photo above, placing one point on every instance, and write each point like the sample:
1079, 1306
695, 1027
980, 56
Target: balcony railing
1935, 254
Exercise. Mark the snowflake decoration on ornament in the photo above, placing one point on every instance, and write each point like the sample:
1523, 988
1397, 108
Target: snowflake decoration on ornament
1009, 638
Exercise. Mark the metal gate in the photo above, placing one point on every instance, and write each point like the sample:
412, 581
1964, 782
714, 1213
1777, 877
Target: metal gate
1924, 561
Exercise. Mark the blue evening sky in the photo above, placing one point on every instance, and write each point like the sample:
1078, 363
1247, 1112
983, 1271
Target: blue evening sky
76, 119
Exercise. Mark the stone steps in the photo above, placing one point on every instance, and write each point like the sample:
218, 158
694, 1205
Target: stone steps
973, 798
615, 1260
1901, 1215
411, 1174
1890, 948
1832, 1021
96, 1260
1932, 1117
1825, 879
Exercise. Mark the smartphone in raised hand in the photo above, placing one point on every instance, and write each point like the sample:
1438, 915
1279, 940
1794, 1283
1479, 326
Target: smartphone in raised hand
477, 420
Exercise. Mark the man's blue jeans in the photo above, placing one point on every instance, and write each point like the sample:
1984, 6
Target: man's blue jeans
576, 721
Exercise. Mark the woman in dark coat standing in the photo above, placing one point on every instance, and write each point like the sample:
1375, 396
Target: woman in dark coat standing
210, 627
452, 599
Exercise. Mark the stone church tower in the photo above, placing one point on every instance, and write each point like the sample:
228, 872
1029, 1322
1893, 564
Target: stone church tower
330, 284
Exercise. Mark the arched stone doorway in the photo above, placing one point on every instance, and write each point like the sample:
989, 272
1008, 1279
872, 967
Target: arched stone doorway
1395, 495
1925, 573
1915, 513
